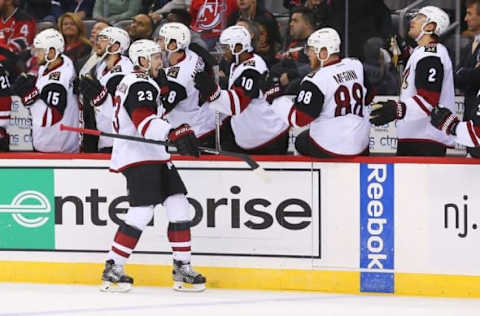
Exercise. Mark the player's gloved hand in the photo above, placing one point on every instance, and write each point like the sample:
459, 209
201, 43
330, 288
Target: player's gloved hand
205, 83
92, 90
25, 88
384, 112
444, 120
273, 92
162, 82
185, 140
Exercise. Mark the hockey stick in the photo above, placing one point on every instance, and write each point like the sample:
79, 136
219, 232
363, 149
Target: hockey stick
254, 166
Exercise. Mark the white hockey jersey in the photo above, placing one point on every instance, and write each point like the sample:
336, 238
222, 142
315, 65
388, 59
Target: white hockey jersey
426, 82
254, 123
109, 78
182, 103
333, 100
57, 105
137, 114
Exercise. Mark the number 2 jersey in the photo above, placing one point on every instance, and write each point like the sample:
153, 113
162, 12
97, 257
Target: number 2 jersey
57, 105
333, 101
137, 113
254, 123
109, 78
426, 82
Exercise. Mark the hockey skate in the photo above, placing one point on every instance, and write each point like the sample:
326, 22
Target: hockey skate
114, 278
185, 279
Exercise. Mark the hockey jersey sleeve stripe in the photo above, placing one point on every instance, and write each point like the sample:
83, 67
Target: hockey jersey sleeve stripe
4, 116
476, 130
472, 133
139, 116
427, 108
240, 100
143, 127
432, 97
47, 117
56, 116
5, 103
302, 118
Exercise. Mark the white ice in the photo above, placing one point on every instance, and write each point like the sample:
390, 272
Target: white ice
39, 299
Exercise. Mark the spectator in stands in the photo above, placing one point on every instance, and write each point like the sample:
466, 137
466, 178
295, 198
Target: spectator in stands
318, 7
97, 28
77, 46
267, 44
38, 9
160, 9
210, 17
294, 62
83, 8
378, 68
140, 28
17, 28
467, 77
116, 10
249, 9
184, 17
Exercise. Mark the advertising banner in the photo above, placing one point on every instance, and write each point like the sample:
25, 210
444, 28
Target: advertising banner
377, 228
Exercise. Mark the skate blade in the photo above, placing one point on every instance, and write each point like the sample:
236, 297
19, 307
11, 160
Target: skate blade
115, 287
187, 287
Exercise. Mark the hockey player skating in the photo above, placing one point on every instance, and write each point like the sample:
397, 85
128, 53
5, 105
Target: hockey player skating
50, 97
253, 128
181, 99
151, 177
332, 99
99, 90
427, 81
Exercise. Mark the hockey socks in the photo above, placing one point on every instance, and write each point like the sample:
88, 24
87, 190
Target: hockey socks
123, 244
180, 240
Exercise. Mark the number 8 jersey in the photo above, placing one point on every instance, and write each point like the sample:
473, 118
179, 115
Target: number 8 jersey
333, 101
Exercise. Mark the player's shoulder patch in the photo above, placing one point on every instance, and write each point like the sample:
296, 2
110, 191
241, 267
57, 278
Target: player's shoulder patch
250, 63
54, 76
116, 69
173, 72
431, 48
311, 74
141, 75
122, 88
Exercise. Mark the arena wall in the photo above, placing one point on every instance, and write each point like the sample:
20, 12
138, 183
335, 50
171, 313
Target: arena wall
385, 225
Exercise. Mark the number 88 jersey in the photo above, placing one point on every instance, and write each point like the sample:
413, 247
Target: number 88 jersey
333, 100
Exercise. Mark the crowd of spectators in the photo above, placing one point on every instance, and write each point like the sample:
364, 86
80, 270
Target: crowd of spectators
281, 45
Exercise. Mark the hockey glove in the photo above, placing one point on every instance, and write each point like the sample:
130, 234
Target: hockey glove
205, 83
274, 92
185, 140
384, 112
444, 120
162, 82
25, 88
92, 90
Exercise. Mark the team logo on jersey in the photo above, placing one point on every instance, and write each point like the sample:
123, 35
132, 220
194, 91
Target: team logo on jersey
404, 78
54, 76
173, 72
122, 88
210, 15
431, 48
117, 68
250, 62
